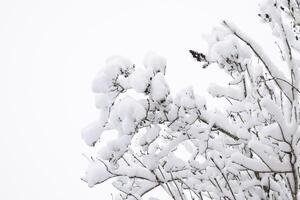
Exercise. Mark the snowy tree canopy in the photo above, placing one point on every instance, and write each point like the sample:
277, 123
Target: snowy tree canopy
248, 150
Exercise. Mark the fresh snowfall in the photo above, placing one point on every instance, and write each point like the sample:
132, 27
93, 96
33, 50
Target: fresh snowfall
249, 149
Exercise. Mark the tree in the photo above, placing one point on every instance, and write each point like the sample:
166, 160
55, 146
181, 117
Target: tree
249, 150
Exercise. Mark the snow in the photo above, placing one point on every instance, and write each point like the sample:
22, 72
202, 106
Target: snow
159, 88
226, 50
103, 101
127, 113
249, 163
270, 66
150, 135
271, 162
186, 98
115, 149
140, 79
96, 173
219, 91
92, 133
135, 171
272, 130
116, 70
173, 163
155, 62
151, 161
102, 83
179, 142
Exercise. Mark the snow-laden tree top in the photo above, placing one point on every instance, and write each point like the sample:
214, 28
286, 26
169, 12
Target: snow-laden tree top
249, 150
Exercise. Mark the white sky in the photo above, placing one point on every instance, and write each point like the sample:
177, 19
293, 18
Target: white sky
49, 54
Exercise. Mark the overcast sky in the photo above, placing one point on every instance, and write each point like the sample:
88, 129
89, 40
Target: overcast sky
49, 53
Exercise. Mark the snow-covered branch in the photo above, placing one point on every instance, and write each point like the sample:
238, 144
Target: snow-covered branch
248, 150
